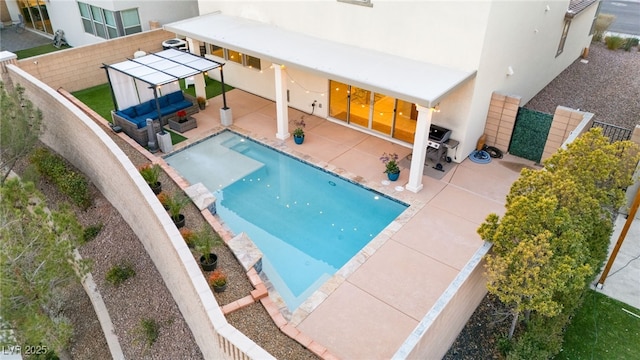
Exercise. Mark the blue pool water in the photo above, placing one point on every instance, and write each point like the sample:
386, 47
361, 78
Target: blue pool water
307, 222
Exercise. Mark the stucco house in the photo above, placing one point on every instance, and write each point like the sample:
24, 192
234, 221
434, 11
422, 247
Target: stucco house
392, 68
89, 21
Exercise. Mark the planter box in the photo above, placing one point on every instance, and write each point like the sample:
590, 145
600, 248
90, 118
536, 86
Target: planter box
182, 127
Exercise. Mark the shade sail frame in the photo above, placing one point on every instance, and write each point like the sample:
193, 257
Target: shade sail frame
165, 66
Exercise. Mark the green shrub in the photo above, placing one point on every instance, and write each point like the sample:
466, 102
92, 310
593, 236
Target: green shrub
91, 232
629, 43
150, 329
505, 345
119, 274
614, 42
68, 181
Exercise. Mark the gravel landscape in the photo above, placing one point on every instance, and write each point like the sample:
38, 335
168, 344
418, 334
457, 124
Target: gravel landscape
609, 86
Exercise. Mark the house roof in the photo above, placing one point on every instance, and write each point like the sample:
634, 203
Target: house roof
577, 6
419, 82
165, 66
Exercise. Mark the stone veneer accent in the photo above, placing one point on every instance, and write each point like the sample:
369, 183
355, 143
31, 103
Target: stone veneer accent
565, 121
501, 119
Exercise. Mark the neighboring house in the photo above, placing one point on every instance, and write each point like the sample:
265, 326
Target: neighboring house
378, 65
90, 21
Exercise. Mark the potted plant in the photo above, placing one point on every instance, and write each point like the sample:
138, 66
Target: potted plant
218, 280
202, 102
391, 165
298, 132
151, 174
175, 203
205, 240
182, 116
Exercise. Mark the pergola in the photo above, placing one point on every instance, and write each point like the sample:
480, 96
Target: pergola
140, 79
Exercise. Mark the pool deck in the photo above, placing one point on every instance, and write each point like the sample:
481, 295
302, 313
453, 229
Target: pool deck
376, 301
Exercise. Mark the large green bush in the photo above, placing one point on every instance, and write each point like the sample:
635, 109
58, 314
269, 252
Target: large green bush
554, 236
68, 181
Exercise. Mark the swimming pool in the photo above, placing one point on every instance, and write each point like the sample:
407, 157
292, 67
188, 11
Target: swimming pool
306, 221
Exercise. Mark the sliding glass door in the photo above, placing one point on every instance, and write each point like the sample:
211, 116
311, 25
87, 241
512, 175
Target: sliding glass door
383, 114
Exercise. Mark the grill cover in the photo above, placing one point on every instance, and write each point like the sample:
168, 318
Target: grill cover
439, 134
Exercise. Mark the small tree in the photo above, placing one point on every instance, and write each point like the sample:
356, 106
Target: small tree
36, 263
554, 235
21, 126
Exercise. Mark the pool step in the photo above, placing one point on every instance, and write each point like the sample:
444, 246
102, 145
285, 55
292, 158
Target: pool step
241, 148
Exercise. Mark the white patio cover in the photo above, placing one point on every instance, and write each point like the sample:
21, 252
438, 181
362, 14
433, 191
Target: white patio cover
410, 80
161, 69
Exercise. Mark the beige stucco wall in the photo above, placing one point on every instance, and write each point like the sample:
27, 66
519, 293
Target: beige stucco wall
487, 36
73, 135
80, 68
440, 327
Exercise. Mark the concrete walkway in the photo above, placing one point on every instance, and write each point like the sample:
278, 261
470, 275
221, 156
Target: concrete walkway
623, 281
12, 41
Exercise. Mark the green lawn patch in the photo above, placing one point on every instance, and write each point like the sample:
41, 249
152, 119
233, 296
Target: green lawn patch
601, 329
175, 137
38, 50
98, 98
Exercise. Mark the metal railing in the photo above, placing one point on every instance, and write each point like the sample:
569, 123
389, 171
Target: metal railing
613, 132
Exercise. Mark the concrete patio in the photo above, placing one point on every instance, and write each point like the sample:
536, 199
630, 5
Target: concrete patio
375, 302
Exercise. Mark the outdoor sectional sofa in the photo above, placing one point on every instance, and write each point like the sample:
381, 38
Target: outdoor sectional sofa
133, 120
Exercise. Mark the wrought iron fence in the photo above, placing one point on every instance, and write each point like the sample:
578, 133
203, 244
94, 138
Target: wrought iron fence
613, 132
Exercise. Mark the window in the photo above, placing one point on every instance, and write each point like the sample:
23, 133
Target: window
131, 21
563, 38
252, 62
381, 113
109, 24
235, 56
217, 51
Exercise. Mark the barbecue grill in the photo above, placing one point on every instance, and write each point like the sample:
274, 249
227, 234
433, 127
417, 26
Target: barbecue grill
436, 144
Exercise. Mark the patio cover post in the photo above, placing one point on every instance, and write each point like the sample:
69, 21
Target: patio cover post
224, 93
113, 95
419, 148
155, 96
282, 115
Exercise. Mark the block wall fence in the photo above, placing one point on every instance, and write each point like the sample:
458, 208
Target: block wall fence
76, 137
80, 68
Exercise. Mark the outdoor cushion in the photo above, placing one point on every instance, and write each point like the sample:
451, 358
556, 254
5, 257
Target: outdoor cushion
181, 105
175, 97
164, 101
130, 112
143, 108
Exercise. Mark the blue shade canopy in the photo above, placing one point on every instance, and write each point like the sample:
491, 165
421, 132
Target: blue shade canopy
165, 66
